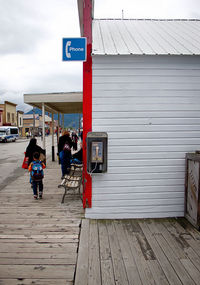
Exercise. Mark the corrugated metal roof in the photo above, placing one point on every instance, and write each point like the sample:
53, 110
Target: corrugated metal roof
146, 37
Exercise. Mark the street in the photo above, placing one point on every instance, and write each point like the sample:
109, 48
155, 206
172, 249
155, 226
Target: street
11, 158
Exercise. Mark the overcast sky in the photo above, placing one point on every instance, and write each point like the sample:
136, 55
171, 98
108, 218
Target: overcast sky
31, 33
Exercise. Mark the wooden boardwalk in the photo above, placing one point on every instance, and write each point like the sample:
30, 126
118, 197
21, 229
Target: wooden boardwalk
38, 239
39, 243
140, 252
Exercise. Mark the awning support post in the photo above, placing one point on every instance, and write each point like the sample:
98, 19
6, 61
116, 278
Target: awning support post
43, 125
53, 153
63, 124
58, 128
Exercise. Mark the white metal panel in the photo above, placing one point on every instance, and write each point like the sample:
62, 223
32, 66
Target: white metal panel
140, 39
149, 131
157, 135
97, 45
122, 129
142, 162
148, 114
182, 37
150, 37
122, 47
107, 39
129, 38
144, 169
141, 191
162, 38
125, 214
136, 203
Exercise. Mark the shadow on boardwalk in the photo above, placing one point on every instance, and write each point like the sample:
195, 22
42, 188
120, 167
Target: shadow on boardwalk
38, 239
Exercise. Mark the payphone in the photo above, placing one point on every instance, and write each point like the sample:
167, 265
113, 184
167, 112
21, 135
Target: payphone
97, 152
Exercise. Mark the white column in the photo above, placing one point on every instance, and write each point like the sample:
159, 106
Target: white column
43, 124
53, 154
58, 131
52, 129
63, 124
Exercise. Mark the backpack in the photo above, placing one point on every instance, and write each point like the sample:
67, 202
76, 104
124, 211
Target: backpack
37, 172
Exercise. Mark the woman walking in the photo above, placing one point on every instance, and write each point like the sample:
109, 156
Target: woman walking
31, 148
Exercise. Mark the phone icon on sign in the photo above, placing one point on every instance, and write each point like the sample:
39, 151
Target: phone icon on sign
68, 44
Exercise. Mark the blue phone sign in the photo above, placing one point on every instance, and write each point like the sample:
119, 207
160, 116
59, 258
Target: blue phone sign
74, 49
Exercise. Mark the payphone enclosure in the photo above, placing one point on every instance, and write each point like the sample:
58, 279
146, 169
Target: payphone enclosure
97, 143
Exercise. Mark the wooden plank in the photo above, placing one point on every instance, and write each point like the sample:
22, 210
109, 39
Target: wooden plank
50, 236
81, 275
185, 236
118, 264
174, 261
37, 271
194, 258
50, 226
39, 248
40, 222
38, 260
194, 273
158, 274
24, 281
189, 228
40, 240
105, 252
37, 255
143, 242
28, 232
107, 275
94, 276
162, 259
129, 261
158, 226
132, 229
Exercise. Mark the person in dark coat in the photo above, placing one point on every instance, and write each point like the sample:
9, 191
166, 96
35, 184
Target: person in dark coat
75, 140
77, 157
31, 148
64, 150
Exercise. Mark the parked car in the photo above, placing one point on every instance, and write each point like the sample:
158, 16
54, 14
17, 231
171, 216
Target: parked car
9, 134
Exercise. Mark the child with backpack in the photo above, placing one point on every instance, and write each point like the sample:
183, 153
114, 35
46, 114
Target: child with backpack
37, 174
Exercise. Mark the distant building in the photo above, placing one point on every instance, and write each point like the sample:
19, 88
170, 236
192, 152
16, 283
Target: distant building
1, 116
9, 116
20, 121
33, 124
29, 121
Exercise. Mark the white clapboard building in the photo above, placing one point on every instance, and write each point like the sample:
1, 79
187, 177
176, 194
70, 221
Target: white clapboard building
146, 96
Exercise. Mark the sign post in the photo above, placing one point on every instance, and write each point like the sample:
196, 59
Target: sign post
74, 49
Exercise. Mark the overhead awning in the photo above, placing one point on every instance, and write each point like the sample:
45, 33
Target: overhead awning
62, 103
65, 102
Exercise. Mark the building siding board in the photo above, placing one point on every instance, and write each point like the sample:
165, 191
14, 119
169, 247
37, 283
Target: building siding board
149, 132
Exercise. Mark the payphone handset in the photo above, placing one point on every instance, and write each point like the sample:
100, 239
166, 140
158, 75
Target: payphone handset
96, 152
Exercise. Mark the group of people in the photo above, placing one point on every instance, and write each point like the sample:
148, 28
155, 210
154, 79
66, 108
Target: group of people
36, 166
65, 146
